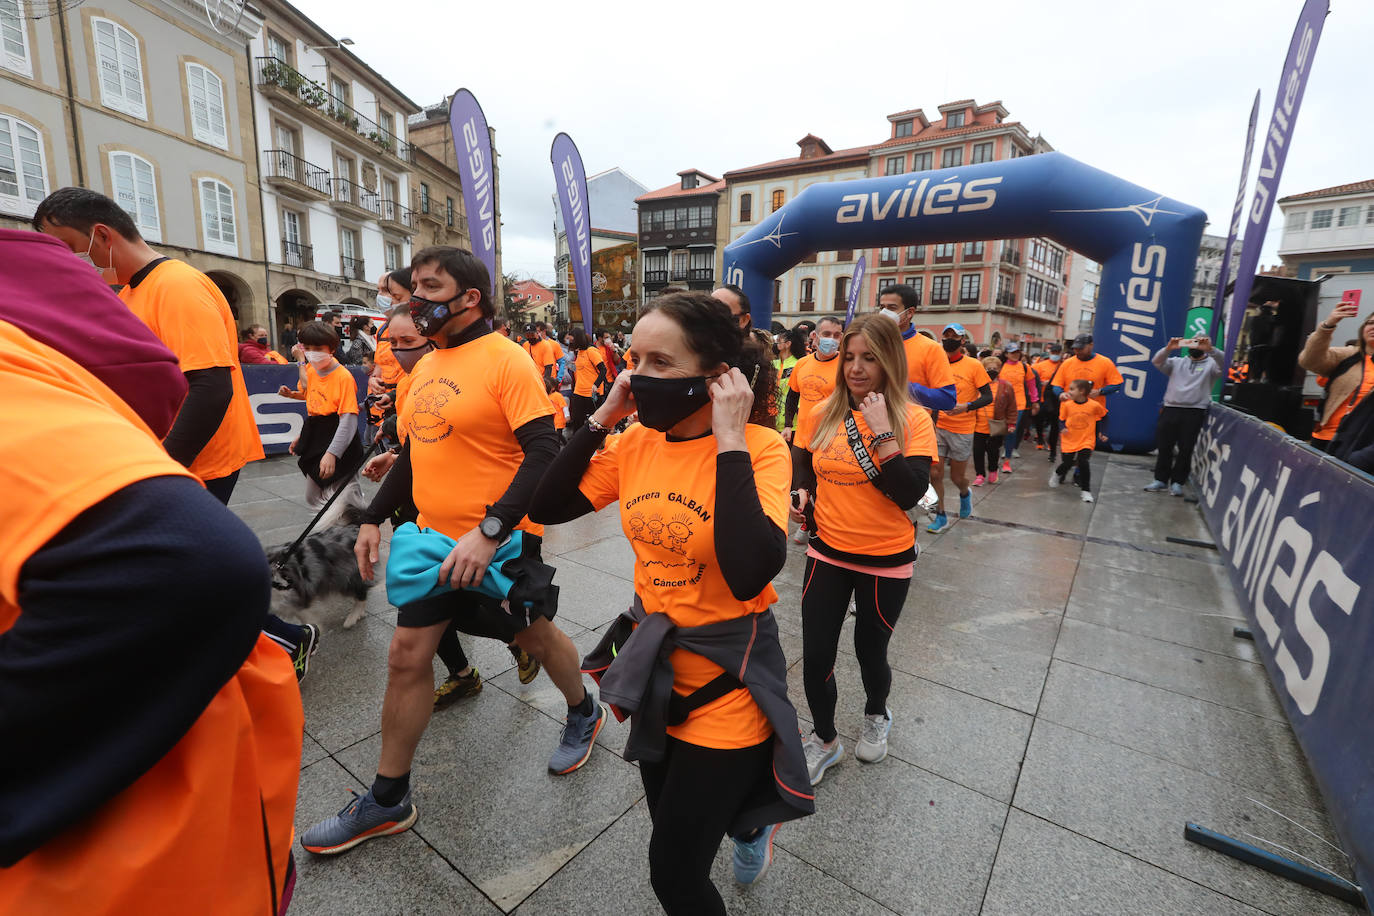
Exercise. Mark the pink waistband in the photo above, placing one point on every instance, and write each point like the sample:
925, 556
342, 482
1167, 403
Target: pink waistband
904, 571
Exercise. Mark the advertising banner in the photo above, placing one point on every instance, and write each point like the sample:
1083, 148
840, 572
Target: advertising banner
1225, 275
1277, 139
472, 143
1293, 528
571, 180
280, 419
854, 286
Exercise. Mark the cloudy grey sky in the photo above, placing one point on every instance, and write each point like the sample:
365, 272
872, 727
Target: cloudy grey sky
1156, 92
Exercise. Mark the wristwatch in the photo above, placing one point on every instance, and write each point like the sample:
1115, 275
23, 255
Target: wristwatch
492, 527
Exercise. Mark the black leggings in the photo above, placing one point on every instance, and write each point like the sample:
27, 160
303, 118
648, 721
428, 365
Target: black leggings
580, 407
825, 599
694, 793
1083, 458
985, 453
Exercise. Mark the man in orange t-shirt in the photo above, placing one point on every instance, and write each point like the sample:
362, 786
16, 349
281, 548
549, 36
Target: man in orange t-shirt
215, 434
1099, 371
813, 376
1048, 414
927, 370
1018, 375
954, 427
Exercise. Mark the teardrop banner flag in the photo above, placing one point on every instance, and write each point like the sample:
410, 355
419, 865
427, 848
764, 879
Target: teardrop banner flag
472, 142
859, 268
571, 180
1236, 211
1277, 140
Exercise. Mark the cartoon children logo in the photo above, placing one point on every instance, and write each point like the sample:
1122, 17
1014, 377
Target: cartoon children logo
427, 421
672, 534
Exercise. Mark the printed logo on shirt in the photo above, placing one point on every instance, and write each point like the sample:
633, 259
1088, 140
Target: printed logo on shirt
671, 531
848, 473
315, 401
428, 423
814, 388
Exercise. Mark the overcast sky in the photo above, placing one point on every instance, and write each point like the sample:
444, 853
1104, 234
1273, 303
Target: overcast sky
1156, 93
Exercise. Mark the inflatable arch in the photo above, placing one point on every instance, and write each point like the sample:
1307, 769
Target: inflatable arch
1147, 244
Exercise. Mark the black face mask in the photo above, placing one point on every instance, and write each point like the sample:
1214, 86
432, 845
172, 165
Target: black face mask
430, 316
950, 344
1083, 356
262, 341
663, 403
409, 356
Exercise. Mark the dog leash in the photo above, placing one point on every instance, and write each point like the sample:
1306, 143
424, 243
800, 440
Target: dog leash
296, 544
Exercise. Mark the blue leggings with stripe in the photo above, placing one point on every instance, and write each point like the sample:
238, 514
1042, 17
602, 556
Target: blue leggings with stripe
878, 600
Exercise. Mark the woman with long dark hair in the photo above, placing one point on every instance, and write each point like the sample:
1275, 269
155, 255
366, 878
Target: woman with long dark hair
702, 492
589, 374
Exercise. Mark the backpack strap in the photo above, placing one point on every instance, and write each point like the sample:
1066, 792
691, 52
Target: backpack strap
680, 707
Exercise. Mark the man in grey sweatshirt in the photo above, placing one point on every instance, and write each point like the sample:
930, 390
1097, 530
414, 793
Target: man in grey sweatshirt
1185, 409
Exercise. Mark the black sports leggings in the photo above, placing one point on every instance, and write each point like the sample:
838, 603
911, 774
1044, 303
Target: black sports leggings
825, 599
694, 793
986, 450
1083, 458
580, 407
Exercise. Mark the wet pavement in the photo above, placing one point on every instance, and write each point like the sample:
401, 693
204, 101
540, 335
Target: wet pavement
1066, 693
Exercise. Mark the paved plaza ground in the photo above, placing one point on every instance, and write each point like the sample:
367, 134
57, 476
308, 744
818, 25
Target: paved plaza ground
1066, 693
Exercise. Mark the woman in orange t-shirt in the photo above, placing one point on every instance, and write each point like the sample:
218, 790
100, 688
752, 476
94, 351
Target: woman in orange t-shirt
863, 459
589, 375
703, 502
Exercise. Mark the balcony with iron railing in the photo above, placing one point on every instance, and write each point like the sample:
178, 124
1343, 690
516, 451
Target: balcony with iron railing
293, 176
355, 200
679, 273
274, 74
294, 254
396, 216
1011, 256
701, 274
352, 268
655, 278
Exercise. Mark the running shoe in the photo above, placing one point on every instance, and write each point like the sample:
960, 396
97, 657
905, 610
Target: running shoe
1087, 497
578, 738
1156, 486
1054, 479
992, 476
978, 481
821, 756
526, 663
940, 524
308, 646
1039, 446
799, 536
752, 857
965, 505
361, 819
1006, 466
1016, 453
457, 687
1175, 489
872, 746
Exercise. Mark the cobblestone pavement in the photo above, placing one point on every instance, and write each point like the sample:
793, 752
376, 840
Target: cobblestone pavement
1066, 694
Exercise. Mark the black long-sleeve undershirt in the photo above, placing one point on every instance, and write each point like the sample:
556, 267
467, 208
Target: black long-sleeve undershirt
557, 499
789, 410
207, 400
984, 398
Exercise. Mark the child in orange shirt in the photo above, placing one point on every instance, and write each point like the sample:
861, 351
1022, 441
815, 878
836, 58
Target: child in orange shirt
1078, 416
560, 406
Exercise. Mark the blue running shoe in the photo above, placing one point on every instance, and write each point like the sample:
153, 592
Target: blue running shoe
965, 505
752, 857
361, 819
579, 735
940, 524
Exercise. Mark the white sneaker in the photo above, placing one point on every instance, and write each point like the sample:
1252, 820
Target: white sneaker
1175, 489
1156, 486
820, 756
1016, 453
1087, 497
1054, 479
872, 746
799, 536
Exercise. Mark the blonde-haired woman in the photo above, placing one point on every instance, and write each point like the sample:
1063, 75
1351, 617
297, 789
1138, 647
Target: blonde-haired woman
861, 461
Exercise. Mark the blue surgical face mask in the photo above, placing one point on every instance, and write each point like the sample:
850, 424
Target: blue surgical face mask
384, 301
827, 346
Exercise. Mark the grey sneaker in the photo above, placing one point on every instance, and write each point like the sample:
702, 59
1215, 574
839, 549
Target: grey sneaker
872, 745
361, 819
1054, 479
751, 858
1087, 497
1175, 489
799, 536
1016, 453
820, 756
1157, 486
579, 736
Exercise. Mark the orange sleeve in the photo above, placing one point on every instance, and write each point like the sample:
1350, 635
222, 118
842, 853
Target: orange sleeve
1113, 375
601, 481
772, 462
1098, 411
520, 392
344, 392
794, 380
980, 375
920, 434
937, 369
192, 326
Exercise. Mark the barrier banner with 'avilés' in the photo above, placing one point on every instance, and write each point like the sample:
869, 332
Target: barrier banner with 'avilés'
280, 419
1293, 527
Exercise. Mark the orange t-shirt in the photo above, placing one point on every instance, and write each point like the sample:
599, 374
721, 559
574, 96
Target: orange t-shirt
969, 376
461, 413
189, 314
192, 825
1014, 374
584, 371
1044, 370
334, 392
813, 380
853, 515
1099, 370
629, 359
545, 352
560, 419
1328, 429
926, 362
667, 496
388, 369
1080, 425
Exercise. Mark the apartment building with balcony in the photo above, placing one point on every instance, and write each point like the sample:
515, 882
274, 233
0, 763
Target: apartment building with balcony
436, 191
1329, 231
143, 101
820, 284
1085, 281
336, 165
611, 197
999, 289
677, 233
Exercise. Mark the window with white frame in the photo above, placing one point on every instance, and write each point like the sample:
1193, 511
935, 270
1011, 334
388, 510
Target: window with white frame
1321, 219
206, 91
1349, 216
391, 255
1369, 216
14, 38
277, 48
121, 68
23, 173
1297, 222
217, 217
136, 191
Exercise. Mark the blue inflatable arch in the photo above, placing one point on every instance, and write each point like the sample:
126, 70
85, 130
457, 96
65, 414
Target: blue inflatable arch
1147, 244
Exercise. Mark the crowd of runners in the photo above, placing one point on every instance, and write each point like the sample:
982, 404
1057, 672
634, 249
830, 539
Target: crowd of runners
715, 439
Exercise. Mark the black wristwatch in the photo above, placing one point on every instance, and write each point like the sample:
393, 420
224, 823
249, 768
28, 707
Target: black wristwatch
493, 528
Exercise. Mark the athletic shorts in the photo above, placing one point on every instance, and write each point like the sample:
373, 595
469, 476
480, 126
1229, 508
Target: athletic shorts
954, 446
477, 614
